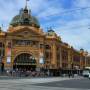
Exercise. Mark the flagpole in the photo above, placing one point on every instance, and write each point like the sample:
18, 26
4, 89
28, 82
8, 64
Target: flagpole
26, 3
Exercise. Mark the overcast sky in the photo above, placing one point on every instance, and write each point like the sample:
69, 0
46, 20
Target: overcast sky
69, 18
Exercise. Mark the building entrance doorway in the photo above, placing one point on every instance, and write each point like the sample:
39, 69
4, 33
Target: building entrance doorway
24, 61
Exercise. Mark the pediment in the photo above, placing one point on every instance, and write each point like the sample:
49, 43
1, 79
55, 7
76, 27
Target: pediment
25, 32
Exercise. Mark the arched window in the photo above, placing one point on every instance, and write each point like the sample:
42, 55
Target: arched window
1, 45
47, 47
26, 21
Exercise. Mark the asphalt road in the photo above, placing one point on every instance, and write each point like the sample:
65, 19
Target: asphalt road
52, 83
81, 84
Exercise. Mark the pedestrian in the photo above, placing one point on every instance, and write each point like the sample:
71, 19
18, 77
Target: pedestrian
69, 73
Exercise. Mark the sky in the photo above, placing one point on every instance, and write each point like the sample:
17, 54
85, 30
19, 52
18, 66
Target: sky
70, 19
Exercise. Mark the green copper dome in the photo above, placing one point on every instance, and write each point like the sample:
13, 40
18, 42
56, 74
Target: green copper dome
51, 32
25, 18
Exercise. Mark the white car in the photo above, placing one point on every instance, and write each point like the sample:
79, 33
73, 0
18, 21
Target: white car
86, 72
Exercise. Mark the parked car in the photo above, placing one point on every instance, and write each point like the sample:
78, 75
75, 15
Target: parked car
86, 72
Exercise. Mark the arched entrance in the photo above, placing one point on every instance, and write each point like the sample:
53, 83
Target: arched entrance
24, 61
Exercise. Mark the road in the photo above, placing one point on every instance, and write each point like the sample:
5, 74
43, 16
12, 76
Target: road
81, 84
56, 83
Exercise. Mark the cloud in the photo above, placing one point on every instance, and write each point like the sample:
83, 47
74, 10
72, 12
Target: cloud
73, 24
82, 3
10, 8
70, 19
76, 33
51, 11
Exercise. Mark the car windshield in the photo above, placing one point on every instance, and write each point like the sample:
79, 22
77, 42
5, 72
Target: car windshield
86, 71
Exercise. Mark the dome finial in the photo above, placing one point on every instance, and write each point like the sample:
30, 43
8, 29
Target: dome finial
26, 3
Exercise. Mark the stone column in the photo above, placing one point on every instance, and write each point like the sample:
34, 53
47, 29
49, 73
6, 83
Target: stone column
69, 59
60, 57
54, 56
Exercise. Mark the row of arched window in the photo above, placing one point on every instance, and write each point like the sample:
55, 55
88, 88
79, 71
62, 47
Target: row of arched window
31, 43
25, 42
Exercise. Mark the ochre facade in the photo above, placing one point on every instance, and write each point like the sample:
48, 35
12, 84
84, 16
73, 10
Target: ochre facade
26, 45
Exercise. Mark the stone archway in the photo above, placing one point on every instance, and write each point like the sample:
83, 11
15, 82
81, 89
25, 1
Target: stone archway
24, 61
